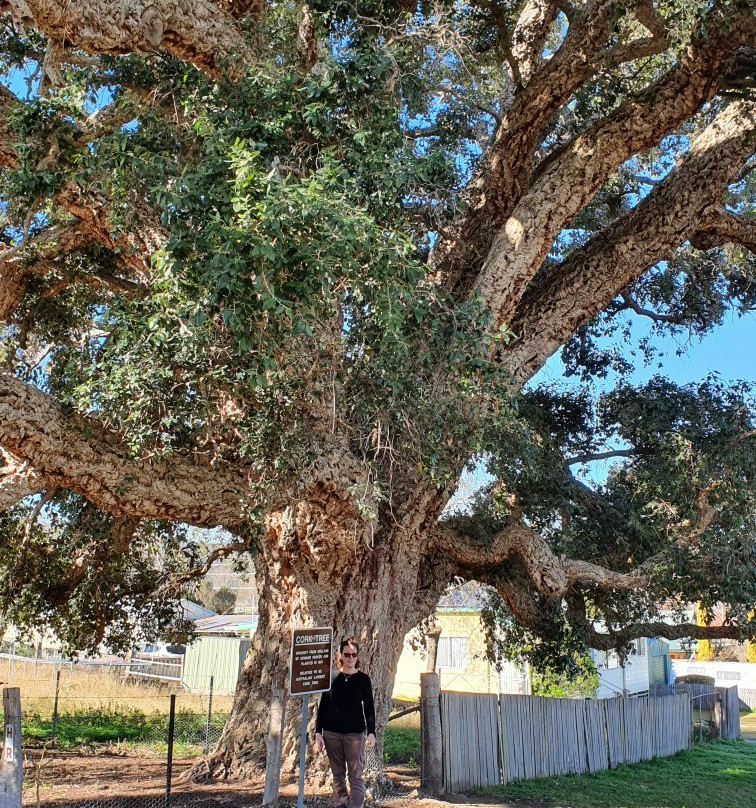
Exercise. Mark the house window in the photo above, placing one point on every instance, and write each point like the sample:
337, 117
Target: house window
452, 652
640, 646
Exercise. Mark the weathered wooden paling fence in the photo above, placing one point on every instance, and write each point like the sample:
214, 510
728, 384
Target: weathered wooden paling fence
489, 740
724, 702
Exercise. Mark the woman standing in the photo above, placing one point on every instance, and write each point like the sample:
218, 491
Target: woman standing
344, 713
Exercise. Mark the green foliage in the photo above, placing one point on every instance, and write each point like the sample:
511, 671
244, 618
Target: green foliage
581, 682
678, 439
401, 745
223, 601
61, 573
696, 679
95, 726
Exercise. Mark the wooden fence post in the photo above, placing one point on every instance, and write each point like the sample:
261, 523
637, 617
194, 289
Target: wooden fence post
430, 717
11, 767
273, 748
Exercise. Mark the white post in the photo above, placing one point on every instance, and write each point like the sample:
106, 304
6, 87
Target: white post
273, 747
11, 767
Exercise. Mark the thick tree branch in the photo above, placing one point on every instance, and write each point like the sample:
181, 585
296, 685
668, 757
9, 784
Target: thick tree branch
75, 453
8, 156
552, 575
530, 33
532, 609
36, 256
134, 245
571, 293
658, 42
721, 227
195, 31
607, 640
120, 533
566, 183
591, 456
17, 480
506, 171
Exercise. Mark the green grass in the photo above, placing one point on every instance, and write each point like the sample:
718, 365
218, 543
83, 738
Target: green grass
401, 745
90, 727
714, 775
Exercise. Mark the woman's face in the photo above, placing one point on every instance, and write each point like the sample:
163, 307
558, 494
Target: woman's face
349, 659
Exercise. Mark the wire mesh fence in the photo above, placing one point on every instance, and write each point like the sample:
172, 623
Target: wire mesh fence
95, 737
94, 754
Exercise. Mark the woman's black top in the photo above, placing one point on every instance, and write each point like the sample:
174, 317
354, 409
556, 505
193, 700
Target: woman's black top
348, 706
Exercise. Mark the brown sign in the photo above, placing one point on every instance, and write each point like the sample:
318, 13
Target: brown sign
310, 660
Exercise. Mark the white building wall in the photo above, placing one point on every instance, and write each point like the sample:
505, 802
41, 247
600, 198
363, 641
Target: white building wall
615, 680
725, 674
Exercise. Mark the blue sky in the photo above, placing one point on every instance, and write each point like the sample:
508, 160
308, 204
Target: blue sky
729, 350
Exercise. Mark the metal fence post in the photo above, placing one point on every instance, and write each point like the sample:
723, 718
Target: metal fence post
11, 766
209, 716
169, 761
55, 708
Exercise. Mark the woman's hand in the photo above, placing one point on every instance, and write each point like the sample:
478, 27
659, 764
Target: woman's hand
370, 743
320, 743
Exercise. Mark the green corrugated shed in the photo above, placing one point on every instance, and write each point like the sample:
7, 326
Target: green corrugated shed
658, 662
219, 657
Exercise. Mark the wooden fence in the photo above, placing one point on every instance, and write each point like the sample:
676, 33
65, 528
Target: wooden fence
702, 696
723, 702
489, 740
729, 728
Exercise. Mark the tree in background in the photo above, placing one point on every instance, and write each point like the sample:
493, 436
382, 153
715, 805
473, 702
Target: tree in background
751, 644
223, 601
288, 269
704, 648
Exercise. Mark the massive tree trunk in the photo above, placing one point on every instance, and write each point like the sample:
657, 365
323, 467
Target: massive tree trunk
319, 567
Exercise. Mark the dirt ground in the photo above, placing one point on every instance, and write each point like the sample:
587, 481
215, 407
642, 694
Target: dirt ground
68, 779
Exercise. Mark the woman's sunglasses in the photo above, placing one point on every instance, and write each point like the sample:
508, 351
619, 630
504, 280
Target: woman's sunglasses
347, 654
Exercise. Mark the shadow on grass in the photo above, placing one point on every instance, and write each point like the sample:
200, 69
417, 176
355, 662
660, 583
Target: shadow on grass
715, 775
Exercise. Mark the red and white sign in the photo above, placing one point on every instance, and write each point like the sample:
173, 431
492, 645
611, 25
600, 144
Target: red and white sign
9, 751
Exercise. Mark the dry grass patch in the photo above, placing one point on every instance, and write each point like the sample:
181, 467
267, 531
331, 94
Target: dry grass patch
96, 688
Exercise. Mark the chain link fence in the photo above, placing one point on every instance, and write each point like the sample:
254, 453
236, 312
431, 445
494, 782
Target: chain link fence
94, 737
112, 756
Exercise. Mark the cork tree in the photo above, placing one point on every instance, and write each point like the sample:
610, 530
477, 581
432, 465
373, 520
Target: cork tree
288, 269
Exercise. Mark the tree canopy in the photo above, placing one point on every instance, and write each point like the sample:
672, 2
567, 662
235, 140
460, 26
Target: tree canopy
288, 269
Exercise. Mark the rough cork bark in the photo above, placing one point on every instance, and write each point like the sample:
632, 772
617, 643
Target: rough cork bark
312, 570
